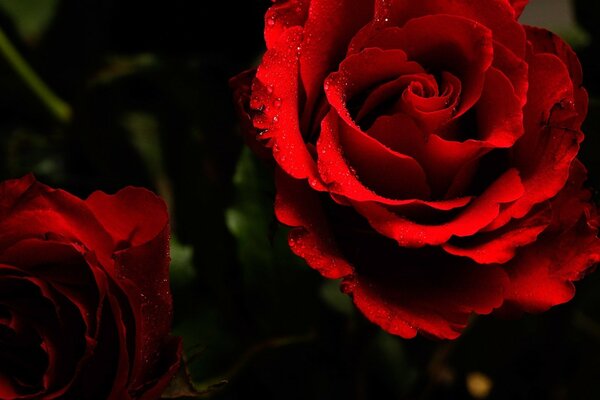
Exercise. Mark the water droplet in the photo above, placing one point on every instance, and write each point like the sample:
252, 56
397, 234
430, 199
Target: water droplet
386, 20
270, 89
276, 119
271, 21
275, 148
292, 242
277, 103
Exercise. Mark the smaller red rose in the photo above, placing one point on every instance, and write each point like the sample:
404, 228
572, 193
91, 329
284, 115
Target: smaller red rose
85, 306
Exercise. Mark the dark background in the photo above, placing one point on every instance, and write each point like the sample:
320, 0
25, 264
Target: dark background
143, 91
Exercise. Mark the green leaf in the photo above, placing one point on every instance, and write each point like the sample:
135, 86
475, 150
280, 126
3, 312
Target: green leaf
31, 17
182, 263
334, 298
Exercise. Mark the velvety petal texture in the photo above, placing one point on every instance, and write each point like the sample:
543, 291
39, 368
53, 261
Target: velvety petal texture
426, 154
85, 305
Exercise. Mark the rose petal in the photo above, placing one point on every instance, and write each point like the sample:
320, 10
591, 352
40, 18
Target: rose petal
542, 274
275, 95
242, 92
327, 32
124, 215
514, 68
143, 273
497, 15
443, 43
298, 206
282, 16
545, 152
406, 291
518, 5
500, 246
544, 41
469, 221
41, 210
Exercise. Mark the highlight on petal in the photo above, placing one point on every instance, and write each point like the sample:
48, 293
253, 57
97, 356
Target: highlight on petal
284, 15
275, 94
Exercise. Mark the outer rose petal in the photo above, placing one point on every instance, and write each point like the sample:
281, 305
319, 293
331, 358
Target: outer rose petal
282, 16
545, 152
544, 41
541, 275
406, 291
275, 94
327, 32
496, 15
242, 92
124, 215
518, 5
144, 243
298, 206
40, 209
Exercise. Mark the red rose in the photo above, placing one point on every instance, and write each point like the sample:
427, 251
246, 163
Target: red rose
426, 154
85, 308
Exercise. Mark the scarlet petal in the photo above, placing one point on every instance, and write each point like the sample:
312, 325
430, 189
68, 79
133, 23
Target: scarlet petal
518, 5
499, 115
471, 220
498, 247
400, 133
40, 210
275, 95
444, 43
338, 141
242, 92
545, 152
327, 32
544, 41
514, 68
11, 190
282, 16
406, 291
497, 15
124, 215
298, 206
142, 273
542, 274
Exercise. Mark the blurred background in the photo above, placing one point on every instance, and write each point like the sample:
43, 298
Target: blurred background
100, 94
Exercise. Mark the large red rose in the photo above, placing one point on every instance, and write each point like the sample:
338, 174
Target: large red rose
85, 307
426, 154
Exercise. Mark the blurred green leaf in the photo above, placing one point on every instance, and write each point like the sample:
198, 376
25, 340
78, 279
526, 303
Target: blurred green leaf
334, 298
31, 17
182, 263
249, 218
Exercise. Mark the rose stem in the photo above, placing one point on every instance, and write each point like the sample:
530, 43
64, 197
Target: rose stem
57, 107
